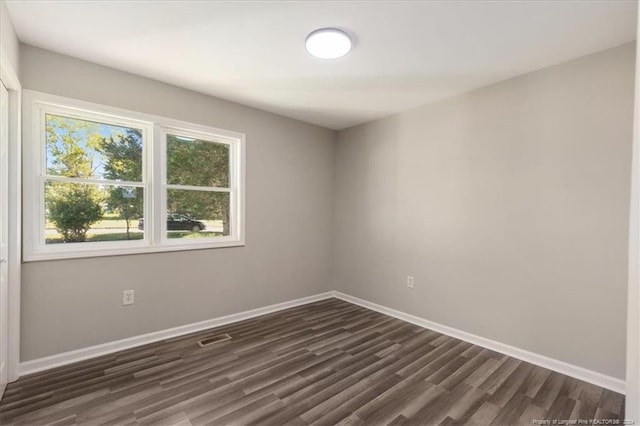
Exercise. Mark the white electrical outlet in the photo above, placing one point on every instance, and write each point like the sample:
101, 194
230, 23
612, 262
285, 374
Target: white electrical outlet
127, 297
410, 281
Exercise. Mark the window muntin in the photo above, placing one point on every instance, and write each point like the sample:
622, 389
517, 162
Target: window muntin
143, 176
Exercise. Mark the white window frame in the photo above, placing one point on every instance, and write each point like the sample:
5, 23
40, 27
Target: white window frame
154, 181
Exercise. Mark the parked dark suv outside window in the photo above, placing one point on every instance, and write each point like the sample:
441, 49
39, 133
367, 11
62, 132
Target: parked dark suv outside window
179, 222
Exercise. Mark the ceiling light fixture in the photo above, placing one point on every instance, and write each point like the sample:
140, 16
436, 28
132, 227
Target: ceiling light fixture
328, 43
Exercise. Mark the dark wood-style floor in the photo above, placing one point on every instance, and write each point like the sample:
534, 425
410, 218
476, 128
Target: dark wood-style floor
325, 363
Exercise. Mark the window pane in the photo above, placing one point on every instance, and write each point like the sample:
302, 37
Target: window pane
194, 214
197, 162
88, 149
87, 213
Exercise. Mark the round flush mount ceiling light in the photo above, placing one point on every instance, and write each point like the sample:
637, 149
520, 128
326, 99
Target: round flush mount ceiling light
328, 43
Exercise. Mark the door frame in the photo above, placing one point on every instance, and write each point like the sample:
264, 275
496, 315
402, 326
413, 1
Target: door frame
4, 234
9, 78
632, 406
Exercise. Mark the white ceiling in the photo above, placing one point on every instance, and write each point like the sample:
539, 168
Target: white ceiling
407, 53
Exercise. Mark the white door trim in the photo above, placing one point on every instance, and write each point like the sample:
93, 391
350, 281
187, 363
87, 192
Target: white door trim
4, 233
10, 79
632, 406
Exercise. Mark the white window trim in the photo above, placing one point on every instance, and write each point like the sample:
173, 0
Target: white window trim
154, 179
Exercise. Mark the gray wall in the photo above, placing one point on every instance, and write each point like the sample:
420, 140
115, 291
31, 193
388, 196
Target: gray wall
509, 206
72, 304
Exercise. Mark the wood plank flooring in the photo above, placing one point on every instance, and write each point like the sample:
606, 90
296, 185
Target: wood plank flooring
325, 363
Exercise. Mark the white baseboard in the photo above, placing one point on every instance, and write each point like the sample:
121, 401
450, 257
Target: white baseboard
58, 360
46, 363
599, 379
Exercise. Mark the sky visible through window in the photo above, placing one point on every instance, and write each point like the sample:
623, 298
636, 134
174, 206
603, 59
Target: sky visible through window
81, 136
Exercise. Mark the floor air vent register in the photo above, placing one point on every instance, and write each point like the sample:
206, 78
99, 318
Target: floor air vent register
212, 340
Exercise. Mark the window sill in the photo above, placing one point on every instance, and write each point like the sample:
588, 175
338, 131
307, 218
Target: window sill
145, 248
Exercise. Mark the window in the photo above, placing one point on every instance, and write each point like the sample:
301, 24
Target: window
93, 180
197, 184
102, 181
